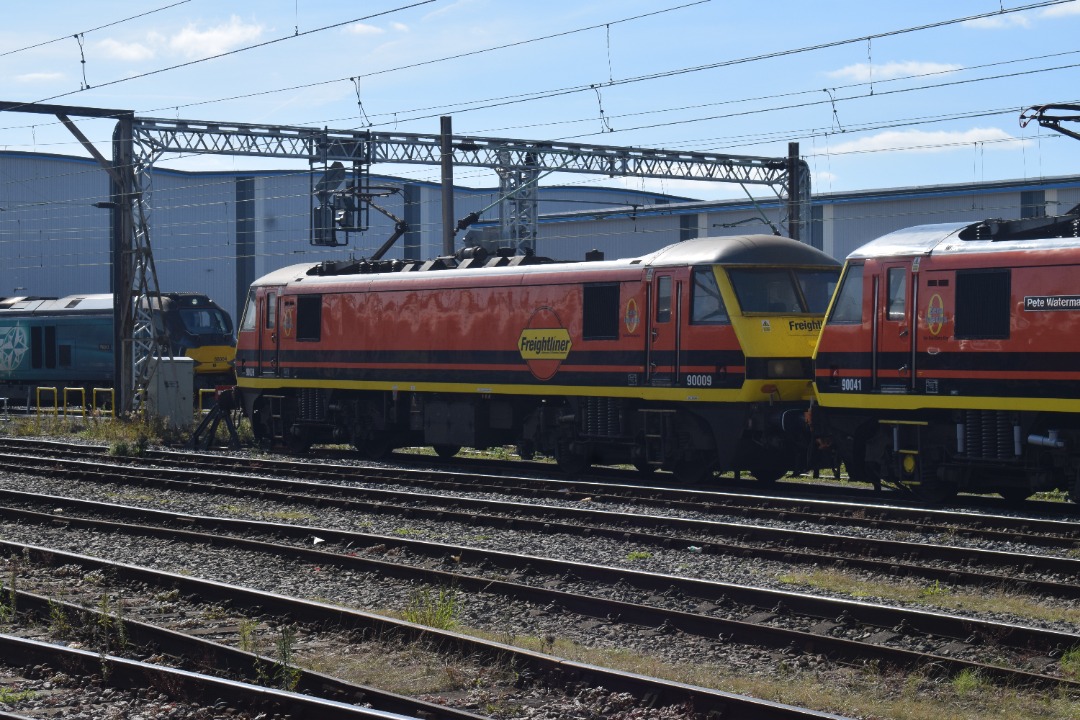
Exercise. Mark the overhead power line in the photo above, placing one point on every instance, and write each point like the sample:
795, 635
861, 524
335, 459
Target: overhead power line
243, 49
93, 29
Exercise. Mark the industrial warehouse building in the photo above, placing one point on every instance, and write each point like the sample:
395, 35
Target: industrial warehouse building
215, 232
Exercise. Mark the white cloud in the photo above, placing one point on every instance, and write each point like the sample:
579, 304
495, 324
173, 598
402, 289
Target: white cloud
1069, 8
928, 142
999, 22
822, 177
194, 42
864, 72
400, 27
39, 77
131, 52
363, 29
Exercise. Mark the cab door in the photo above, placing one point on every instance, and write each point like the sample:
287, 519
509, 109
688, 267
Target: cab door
894, 329
269, 300
663, 335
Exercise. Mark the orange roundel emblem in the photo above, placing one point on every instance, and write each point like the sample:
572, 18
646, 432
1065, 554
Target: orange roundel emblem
632, 317
935, 314
287, 321
544, 344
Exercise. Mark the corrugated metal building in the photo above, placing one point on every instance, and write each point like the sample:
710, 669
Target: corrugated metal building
215, 232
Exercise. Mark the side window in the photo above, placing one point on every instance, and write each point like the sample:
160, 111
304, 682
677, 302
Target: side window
849, 304
663, 299
50, 347
248, 323
706, 305
271, 310
36, 349
309, 318
600, 312
897, 282
983, 304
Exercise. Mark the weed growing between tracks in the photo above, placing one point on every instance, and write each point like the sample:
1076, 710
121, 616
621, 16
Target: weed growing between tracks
870, 691
937, 595
438, 610
126, 436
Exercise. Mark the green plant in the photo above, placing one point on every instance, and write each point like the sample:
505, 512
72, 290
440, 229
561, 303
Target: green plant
437, 610
9, 695
109, 624
59, 625
638, 555
10, 609
287, 673
1070, 662
967, 682
934, 590
247, 635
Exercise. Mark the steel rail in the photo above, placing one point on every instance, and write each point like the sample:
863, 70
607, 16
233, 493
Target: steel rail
880, 617
233, 660
887, 556
205, 688
556, 670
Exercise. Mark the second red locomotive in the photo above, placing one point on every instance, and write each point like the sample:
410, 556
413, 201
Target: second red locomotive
692, 359
951, 359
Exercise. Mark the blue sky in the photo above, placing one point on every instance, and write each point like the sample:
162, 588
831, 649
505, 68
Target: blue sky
877, 94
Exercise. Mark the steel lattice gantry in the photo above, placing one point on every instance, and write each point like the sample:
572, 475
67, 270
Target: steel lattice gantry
519, 163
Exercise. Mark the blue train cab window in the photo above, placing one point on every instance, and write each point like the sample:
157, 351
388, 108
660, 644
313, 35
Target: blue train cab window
849, 306
897, 282
706, 304
663, 299
309, 318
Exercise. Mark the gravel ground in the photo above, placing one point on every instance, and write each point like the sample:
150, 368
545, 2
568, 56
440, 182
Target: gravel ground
501, 618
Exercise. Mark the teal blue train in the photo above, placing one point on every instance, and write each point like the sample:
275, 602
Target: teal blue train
68, 342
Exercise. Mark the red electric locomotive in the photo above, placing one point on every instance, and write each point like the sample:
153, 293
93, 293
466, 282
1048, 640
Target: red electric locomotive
950, 359
692, 359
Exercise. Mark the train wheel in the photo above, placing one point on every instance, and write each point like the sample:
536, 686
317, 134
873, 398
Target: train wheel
377, 447
644, 468
767, 475
570, 462
446, 451
297, 442
936, 493
1015, 494
692, 469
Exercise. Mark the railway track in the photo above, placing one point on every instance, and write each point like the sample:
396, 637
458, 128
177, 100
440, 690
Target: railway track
291, 610
778, 620
1051, 574
771, 621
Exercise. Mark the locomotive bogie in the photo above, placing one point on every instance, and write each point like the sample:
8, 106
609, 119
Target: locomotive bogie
650, 362
949, 360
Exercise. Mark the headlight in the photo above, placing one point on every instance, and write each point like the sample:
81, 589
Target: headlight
785, 368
